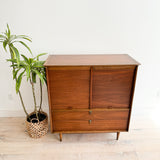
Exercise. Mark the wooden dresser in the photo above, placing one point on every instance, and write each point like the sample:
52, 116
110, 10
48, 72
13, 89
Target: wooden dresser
90, 93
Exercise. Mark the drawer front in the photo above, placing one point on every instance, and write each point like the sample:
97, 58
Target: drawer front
70, 115
86, 121
69, 87
112, 86
95, 125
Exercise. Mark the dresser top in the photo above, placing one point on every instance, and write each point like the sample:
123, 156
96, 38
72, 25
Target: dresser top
88, 60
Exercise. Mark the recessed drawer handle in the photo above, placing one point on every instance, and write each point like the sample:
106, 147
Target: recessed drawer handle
90, 112
89, 121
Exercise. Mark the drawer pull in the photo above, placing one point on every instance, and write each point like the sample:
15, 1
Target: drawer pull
90, 112
89, 121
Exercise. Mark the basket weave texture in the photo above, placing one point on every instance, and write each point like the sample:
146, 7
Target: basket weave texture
39, 129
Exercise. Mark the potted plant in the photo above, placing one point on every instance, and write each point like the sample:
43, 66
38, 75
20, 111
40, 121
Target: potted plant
37, 121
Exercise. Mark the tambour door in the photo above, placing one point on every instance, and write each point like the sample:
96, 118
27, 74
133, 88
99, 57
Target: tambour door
112, 86
68, 87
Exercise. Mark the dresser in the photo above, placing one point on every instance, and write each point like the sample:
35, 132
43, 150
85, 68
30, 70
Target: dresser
90, 93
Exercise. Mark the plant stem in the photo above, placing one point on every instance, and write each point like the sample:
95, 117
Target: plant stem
34, 97
40, 106
19, 93
20, 96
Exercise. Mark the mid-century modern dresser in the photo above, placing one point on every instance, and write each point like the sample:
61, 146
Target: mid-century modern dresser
90, 93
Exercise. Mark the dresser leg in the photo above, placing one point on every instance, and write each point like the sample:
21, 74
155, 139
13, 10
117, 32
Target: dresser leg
118, 133
60, 136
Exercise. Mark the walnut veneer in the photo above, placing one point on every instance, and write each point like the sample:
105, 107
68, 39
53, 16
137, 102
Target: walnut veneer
90, 93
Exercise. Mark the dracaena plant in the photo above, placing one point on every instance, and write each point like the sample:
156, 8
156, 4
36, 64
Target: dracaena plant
30, 68
9, 41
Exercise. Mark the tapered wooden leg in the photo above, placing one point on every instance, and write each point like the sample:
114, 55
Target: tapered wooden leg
60, 136
118, 133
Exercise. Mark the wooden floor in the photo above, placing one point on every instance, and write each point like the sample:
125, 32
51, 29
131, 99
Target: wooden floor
141, 143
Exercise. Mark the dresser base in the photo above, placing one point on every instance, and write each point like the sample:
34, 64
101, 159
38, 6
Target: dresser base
60, 133
60, 136
118, 133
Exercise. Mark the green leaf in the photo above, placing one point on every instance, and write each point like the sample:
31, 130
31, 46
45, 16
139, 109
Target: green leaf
23, 64
25, 58
39, 75
24, 37
3, 37
31, 60
39, 64
43, 72
25, 46
12, 38
11, 60
33, 77
28, 71
16, 53
14, 65
41, 54
15, 73
4, 45
45, 80
18, 82
8, 31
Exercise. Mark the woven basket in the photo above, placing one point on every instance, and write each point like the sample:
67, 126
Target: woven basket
39, 129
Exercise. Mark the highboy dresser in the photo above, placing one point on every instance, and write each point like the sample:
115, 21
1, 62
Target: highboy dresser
90, 93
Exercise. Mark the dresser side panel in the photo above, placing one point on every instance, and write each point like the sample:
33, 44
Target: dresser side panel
49, 99
132, 93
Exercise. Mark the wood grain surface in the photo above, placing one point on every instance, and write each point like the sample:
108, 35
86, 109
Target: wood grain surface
111, 86
96, 125
89, 60
98, 120
69, 88
86, 115
90, 93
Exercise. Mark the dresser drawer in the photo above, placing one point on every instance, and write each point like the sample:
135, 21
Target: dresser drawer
95, 125
90, 114
86, 121
70, 115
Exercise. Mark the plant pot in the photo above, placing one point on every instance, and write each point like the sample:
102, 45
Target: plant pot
37, 128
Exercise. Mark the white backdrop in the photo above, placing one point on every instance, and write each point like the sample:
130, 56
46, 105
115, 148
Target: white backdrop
84, 27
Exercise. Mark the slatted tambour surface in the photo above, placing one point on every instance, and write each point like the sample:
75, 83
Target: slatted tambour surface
69, 87
90, 93
112, 86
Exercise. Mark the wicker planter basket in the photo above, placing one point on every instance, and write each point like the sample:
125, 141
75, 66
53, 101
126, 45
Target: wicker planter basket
35, 128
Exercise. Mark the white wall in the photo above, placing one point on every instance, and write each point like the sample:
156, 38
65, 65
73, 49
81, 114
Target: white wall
85, 26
